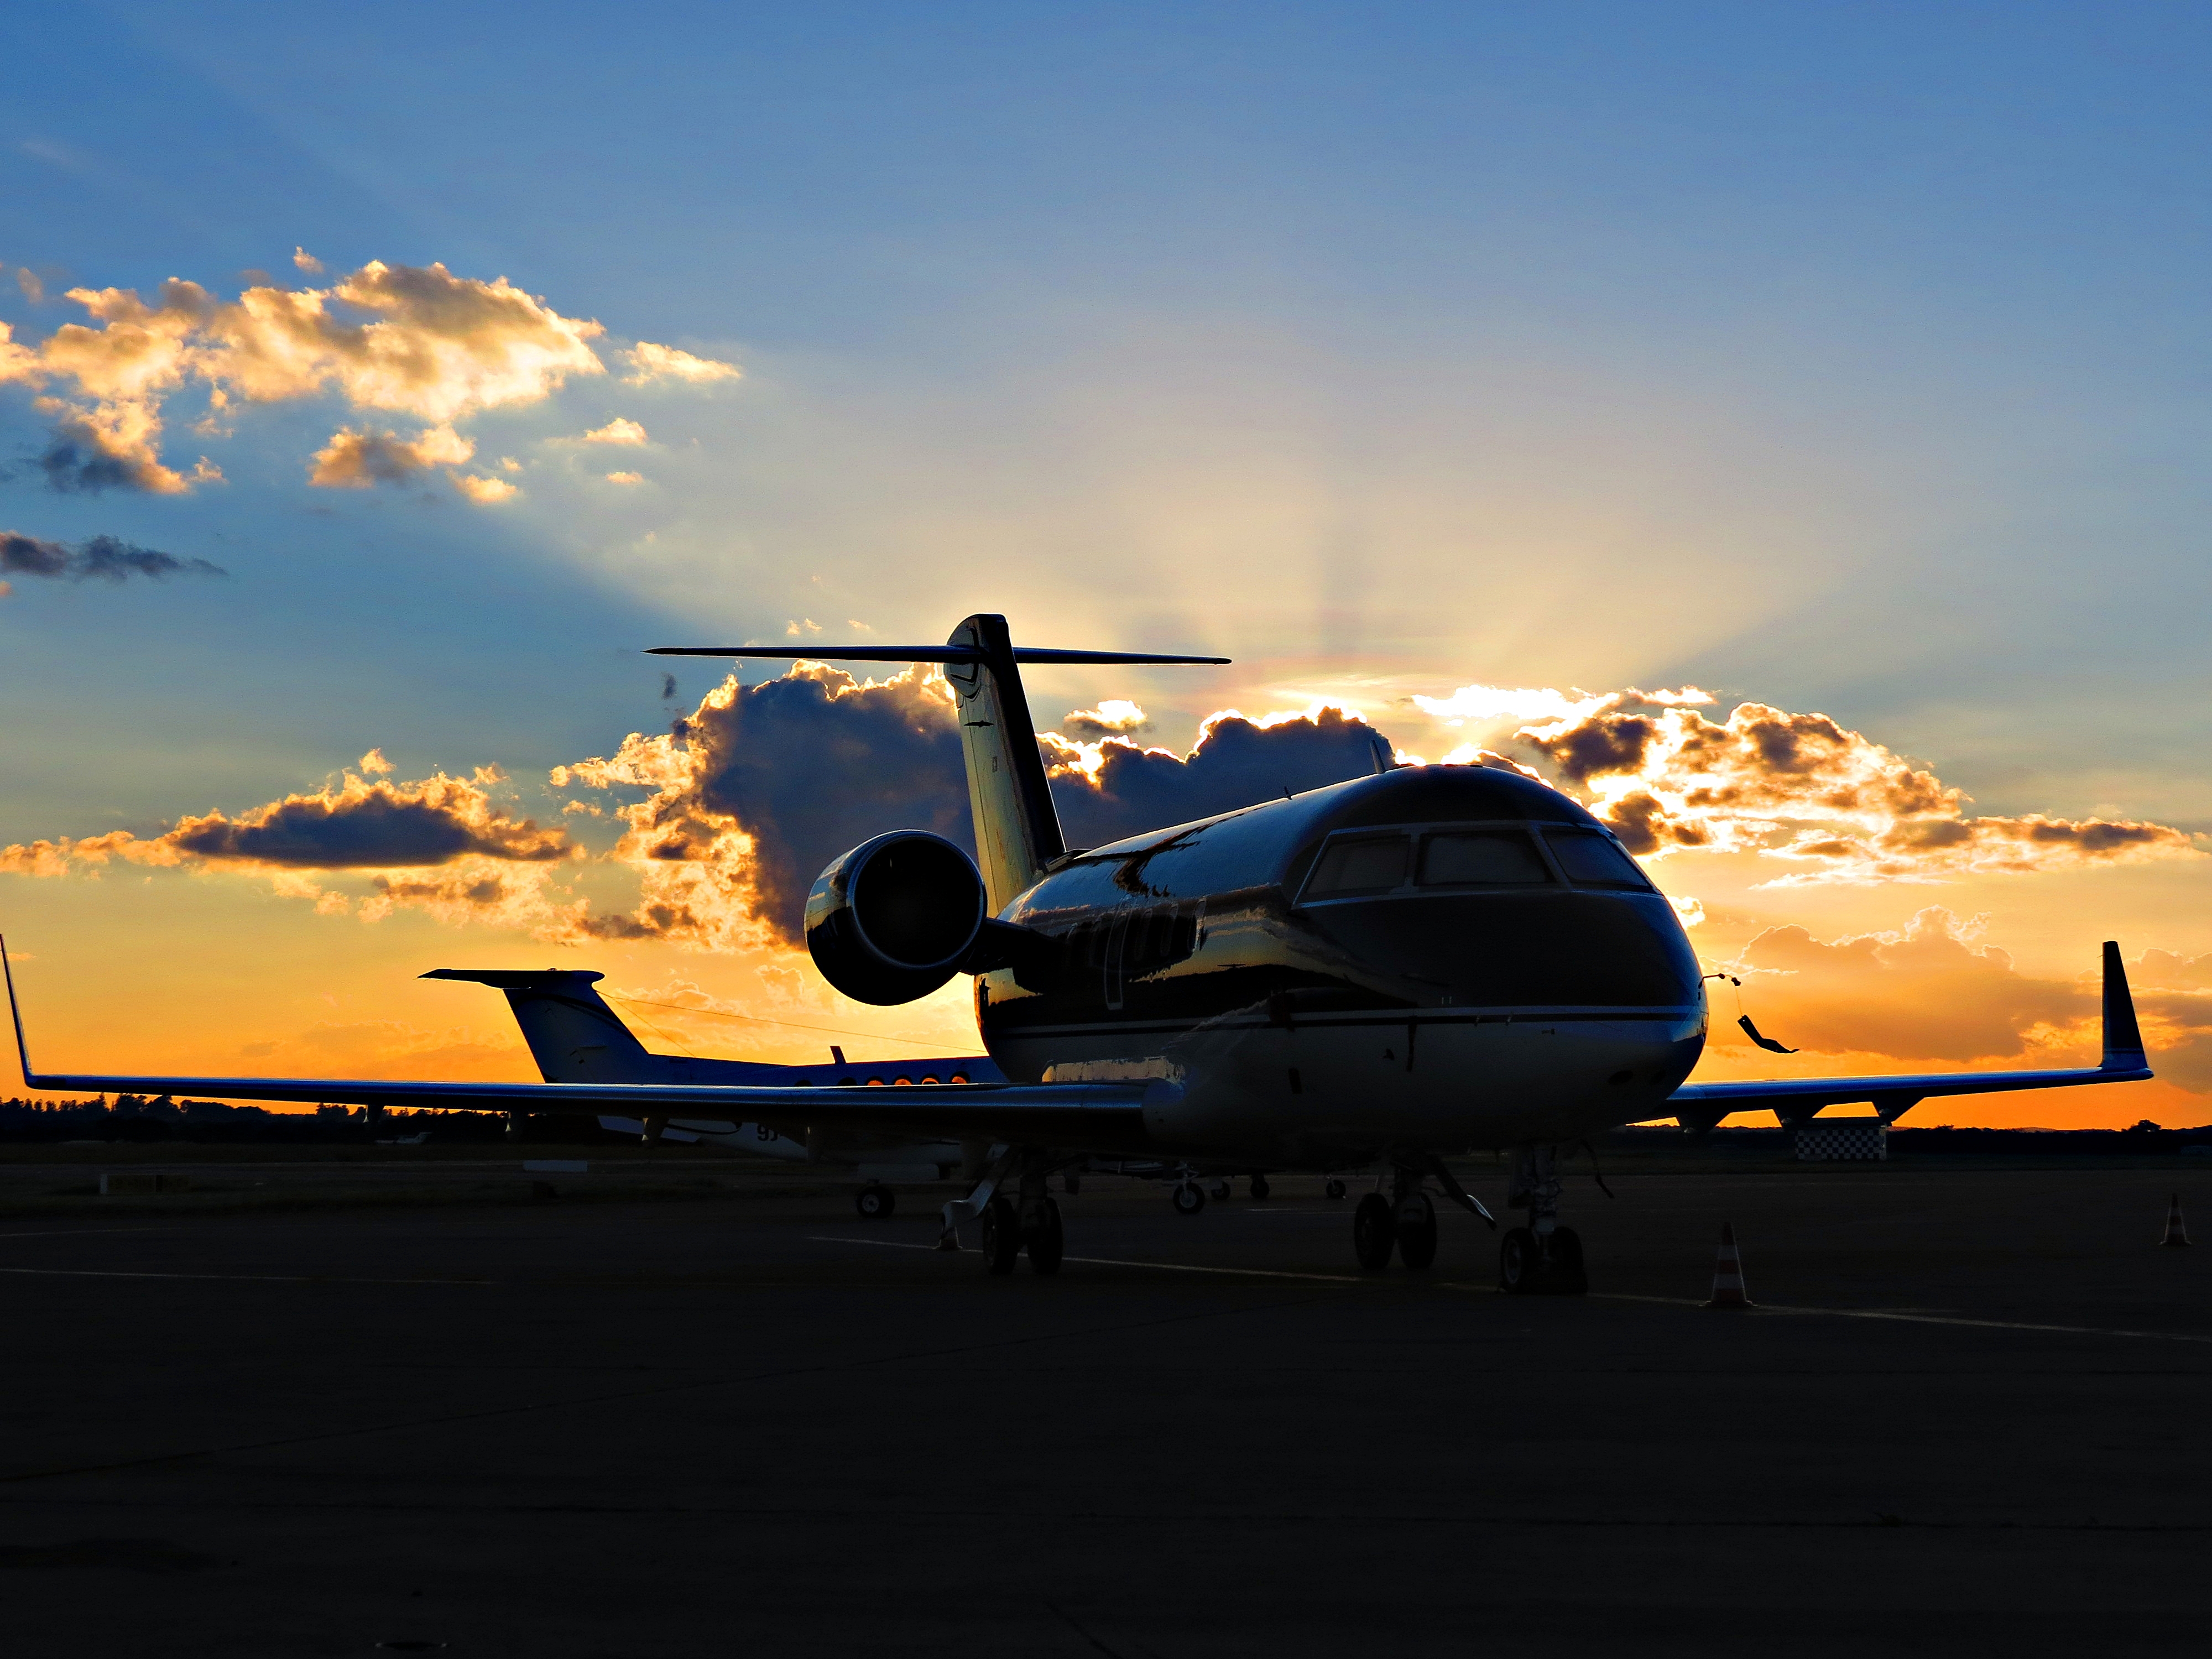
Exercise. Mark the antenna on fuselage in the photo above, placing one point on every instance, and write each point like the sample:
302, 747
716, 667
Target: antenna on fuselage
1016, 830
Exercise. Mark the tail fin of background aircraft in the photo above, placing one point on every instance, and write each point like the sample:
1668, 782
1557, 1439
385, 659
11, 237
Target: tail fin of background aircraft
1017, 830
572, 1035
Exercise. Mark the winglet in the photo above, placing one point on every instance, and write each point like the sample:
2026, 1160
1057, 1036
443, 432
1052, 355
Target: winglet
2123, 1043
22, 1048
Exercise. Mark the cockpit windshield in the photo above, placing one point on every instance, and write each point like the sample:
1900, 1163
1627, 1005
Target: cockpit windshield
1461, 858
1591, 859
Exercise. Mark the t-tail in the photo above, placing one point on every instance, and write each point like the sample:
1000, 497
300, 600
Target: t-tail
1016, 830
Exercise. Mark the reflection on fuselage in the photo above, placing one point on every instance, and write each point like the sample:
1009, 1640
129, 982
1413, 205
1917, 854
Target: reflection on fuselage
1326, 967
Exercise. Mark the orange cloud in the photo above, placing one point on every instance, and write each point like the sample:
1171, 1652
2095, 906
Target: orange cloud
440, 844
1804, 789
413, 340
355, 460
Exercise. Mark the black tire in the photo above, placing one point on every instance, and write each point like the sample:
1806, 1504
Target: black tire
875, 1202
1045, 1241
1334, 1188
1565, 1271
1417, 1237
1517, 1261
1002, 1236
1222, 1191
1260, 1187
1189, 1198
1374, 1229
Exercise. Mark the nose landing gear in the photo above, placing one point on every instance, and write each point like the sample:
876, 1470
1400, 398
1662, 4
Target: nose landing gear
1543, 1258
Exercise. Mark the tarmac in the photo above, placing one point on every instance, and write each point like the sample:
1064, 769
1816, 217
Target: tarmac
415, 1405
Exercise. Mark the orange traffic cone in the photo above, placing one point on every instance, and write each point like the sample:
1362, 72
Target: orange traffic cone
1727, 1274
2176, 1236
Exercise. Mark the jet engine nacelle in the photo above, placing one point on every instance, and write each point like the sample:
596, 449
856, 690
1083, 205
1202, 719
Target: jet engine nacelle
895, 917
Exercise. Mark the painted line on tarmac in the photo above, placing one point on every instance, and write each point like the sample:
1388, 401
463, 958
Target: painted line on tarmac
242, 1279
1111, 1261
1899, 1317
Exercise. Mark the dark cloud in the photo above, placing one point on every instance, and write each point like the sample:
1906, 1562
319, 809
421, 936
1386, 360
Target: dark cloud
104, 558
1128, 789
668, 687
369, 825
77, 462
753, 794
762, 786
359, 825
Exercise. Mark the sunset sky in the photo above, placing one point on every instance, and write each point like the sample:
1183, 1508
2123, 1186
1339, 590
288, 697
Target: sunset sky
1785, 428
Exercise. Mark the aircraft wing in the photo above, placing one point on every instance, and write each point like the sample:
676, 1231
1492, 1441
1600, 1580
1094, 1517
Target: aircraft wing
1701, 1105
1101, 1116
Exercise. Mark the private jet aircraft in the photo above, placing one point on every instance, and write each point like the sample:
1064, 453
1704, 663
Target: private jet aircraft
1422, 963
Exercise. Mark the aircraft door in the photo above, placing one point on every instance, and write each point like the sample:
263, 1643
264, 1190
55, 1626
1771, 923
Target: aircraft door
1117, 966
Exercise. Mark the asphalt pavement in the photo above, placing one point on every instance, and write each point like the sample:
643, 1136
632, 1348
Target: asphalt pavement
1969, 1414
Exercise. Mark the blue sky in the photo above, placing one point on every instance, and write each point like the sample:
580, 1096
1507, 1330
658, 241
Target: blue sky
1846, 358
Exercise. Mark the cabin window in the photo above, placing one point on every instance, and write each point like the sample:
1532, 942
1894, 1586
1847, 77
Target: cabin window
1593, 860
1464, 858
1373, 864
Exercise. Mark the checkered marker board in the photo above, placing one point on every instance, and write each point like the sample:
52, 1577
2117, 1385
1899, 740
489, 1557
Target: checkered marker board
1823, 1143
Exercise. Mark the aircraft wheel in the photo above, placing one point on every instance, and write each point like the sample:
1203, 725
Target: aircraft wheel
1002, 1236
1045, 1241
1260, 1186
1517, 1261
875, 1202
1417, 1234
1221, 1191
1374, 1229
1334, 1188
1189, 1198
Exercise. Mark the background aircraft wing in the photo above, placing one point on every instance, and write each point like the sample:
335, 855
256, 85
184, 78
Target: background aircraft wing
1105, 1116
1701, 1105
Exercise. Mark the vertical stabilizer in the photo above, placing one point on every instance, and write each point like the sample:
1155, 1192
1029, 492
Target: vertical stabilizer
1017, 830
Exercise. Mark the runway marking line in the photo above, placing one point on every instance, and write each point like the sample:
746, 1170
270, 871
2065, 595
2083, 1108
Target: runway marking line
1110, 1261
1896, 1317
248, 1278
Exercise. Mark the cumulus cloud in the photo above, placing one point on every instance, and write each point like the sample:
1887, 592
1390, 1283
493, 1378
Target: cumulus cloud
355, 461
1114, 717
103, 559
307, 261
753, 793
33, 289
749, 797
440, 844
617, 431
625, 477
649, 361
400, 339
1113, 786
1804, 790
485, 492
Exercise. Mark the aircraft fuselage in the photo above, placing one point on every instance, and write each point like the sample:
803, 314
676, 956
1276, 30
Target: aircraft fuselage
1436, 957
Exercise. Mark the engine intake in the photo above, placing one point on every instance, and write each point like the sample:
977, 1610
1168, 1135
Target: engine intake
895, 917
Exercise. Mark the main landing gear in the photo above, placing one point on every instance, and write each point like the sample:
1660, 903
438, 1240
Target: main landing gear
875, 1202
1543, 1258
1009, 1227
1404, 1221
